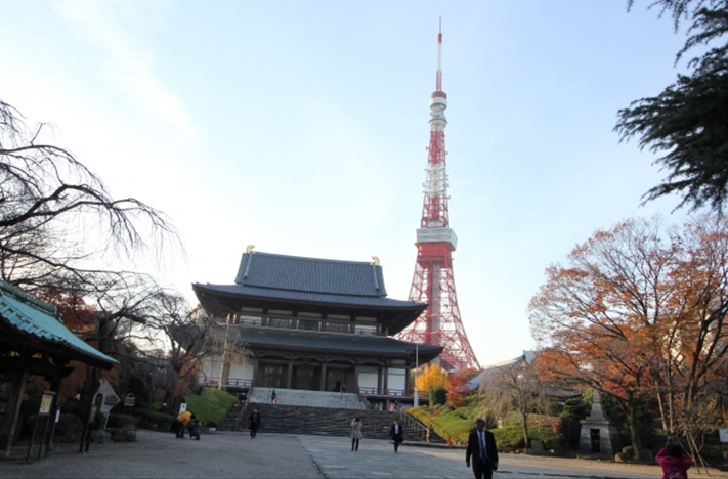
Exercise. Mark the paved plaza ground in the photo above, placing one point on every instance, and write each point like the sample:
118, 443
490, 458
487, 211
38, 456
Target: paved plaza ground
230, 455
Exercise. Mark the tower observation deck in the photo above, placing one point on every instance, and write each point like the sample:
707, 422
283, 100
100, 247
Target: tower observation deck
434, 281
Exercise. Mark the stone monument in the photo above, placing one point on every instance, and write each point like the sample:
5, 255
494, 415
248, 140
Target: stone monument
599, 437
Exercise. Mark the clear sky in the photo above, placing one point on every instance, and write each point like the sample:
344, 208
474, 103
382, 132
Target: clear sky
300, 127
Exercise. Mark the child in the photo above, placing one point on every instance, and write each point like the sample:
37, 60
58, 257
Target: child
195, 428
673, 461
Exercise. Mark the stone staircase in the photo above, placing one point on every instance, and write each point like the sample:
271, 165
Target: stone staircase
323, 421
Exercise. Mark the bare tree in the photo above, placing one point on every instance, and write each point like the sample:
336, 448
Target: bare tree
58, 221
52, 207
516, 388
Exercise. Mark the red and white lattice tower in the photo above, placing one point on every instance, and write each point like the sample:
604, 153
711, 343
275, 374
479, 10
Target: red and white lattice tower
434, 281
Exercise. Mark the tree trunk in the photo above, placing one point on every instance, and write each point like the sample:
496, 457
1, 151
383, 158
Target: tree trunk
526, 439
633, 429
661, 407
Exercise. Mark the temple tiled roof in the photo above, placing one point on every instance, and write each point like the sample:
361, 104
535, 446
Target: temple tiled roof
311, 275
31, 316
307, 297
259, 338
320, 285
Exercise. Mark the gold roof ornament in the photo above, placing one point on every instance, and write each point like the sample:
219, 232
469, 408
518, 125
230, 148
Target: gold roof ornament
376, 260
249, 249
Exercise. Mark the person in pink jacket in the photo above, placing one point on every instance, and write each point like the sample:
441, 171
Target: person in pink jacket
673, 461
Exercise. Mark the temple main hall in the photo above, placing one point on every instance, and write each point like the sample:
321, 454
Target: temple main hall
312, 324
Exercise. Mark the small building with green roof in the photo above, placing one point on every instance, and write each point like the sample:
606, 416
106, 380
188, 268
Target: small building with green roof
34, 342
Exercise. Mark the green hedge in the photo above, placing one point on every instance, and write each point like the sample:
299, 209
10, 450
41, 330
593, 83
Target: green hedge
210, 406
511, 437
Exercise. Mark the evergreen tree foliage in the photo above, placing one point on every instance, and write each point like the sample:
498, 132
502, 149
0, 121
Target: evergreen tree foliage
437, 395
689, 119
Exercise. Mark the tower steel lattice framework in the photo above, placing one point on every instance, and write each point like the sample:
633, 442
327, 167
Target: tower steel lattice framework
434, 281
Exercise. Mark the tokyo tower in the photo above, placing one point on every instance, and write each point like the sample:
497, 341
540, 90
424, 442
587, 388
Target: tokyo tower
434, 281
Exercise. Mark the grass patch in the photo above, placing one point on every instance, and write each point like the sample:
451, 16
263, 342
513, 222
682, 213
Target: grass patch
210, 406
455, 425
458, 424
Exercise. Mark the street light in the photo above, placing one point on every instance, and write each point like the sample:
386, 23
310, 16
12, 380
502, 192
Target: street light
417, 373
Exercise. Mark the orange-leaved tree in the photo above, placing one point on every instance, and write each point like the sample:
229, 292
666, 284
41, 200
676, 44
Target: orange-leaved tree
596, 317
456, 386
432, 376
638, 313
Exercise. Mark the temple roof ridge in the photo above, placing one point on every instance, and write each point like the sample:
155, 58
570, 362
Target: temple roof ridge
311, 275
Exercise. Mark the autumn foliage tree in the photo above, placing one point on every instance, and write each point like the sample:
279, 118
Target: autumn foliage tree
432, 376
457, 390
638, 313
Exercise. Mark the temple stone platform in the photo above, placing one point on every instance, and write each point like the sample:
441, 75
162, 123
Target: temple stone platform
297, 397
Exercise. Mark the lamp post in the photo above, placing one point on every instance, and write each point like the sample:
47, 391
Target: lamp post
417, 373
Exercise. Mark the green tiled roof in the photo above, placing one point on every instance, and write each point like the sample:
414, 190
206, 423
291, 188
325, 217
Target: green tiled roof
36, 318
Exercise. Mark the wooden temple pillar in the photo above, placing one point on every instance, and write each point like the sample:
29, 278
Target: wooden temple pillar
407, 372
385, 378
356, 378
15, 398
289, 379
379, 380
256, 370
322, 385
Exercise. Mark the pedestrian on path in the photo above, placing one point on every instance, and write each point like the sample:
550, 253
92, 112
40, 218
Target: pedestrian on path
272, 395
181, 423
254, 423
355, 434
484, 451
396, 433
195, 427
430, 432
673, 461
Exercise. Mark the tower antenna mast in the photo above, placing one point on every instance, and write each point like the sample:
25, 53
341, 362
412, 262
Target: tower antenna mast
434, 281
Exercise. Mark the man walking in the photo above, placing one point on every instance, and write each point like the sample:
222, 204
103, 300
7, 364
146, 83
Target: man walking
484, 451
396, 433
254, 423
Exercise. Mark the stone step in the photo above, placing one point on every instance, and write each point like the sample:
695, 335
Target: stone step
289, 419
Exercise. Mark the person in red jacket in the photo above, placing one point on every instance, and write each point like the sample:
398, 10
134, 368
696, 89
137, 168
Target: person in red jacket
673, 461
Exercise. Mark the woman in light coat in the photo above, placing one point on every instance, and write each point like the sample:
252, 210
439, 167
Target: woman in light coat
355, 434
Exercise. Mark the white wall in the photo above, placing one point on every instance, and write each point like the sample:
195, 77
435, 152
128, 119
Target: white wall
241, 371
211, 367
368, 376
396, 378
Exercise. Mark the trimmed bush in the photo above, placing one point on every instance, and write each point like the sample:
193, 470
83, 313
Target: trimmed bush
438, 395
210, 406
512, 437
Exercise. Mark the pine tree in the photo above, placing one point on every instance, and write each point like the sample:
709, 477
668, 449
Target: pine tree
689, 119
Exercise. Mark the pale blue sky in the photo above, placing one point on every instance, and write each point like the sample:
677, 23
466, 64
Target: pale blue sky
300, 127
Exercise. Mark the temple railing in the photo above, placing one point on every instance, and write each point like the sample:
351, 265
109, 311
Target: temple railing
381, 392
232, 382
412, 423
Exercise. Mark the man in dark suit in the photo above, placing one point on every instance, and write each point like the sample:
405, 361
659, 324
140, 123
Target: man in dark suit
396, 433
254, 423
484, 451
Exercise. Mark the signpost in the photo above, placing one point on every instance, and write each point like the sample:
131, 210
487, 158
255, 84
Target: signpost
44, 411
129, 402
